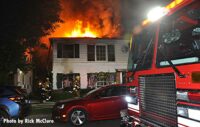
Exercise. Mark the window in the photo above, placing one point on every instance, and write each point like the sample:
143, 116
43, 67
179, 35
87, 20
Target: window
91, 52
68, 51
66, 80
179, 39
96, 80
101, 53
59, 50
142, 50
111, 53
111, 91
124, 90
59, 80
76, 48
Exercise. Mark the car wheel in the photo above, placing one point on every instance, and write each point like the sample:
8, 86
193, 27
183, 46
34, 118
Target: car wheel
3, 115
78, 117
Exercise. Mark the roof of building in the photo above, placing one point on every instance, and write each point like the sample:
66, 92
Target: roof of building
84, 39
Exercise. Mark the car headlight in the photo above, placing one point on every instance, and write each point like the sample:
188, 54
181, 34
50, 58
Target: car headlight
128, 99
131, 99
60, 106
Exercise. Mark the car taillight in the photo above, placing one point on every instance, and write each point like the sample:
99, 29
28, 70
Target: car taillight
188, 96
16, 98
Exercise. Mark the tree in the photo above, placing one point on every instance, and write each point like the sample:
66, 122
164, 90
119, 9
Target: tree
23, 23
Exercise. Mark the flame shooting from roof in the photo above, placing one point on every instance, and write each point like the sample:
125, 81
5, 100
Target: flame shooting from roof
89, 18
81, 31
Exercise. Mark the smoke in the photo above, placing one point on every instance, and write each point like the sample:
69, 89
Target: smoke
103, 16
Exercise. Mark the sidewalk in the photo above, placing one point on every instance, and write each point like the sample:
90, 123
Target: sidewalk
41, 109
38, 102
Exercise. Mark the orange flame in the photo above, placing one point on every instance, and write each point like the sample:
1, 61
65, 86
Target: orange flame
93, 19
81, 31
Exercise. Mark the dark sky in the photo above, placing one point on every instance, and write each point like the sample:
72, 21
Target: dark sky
134, 11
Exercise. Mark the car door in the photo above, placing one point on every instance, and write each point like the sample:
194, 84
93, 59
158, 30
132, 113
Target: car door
105, 106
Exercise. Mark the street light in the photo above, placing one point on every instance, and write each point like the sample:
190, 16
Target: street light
157, 13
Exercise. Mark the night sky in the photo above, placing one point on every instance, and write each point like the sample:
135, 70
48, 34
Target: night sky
134, 11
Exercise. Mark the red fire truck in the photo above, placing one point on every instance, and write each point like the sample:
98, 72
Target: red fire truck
164, 69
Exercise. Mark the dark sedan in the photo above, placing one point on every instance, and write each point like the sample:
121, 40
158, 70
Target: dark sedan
99, 104
17, 95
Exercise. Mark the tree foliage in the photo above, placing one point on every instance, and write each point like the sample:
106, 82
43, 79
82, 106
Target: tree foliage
22, 24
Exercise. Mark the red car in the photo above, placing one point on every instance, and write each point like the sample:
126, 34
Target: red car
99, 104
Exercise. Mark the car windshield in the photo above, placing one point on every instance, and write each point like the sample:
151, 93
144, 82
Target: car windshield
91, 92
180, 37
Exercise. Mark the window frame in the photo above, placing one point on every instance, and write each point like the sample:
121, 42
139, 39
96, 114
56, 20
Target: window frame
111, 53
91, 53
61, 51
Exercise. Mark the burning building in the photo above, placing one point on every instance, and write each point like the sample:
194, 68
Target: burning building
86, 44
94, 60
89, 18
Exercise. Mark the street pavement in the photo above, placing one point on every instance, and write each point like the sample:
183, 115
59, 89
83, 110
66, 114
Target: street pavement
104, 123
44, 120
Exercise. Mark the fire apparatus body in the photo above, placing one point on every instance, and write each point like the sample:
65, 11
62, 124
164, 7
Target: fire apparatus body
164, 68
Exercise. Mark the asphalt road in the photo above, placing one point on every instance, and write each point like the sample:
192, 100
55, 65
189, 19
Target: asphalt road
105, 123
35, 120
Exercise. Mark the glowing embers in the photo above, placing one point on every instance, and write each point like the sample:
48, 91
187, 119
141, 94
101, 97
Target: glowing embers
81, 31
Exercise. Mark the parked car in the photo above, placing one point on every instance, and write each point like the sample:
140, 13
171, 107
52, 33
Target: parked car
102, 83
99, 104
13, 103
8, 109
